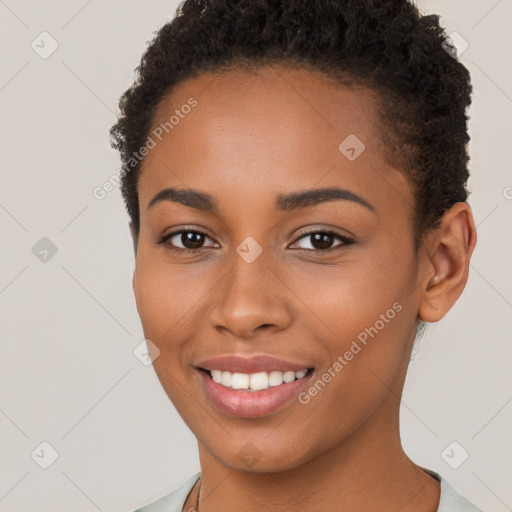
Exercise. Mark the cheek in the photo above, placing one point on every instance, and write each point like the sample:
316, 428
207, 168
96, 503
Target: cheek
366, 313
351, 296
165, 298
166, 295
152, 297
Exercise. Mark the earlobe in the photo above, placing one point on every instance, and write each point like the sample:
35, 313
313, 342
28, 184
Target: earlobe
450, 248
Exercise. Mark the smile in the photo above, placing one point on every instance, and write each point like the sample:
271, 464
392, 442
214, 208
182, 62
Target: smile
253, 395
255, 381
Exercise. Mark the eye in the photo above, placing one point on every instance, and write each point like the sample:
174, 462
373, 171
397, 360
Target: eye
191, 240
322, 240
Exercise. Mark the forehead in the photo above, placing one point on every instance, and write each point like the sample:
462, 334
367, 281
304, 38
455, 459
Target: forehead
273, 101
266, 130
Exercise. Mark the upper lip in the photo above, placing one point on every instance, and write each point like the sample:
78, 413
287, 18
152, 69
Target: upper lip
254, 364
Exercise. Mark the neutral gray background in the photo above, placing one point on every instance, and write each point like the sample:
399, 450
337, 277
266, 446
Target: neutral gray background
68, 326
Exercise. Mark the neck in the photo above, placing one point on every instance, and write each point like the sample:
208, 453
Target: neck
368, 469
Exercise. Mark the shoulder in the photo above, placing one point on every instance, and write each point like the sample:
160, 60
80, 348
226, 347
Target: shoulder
174, 501
450, 500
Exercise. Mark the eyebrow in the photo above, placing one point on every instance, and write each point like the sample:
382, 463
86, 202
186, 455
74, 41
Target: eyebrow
284, 202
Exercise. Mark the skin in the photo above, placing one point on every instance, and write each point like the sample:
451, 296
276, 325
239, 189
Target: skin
251, 137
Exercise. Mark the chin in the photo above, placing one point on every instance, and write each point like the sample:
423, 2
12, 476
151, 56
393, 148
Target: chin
258, 456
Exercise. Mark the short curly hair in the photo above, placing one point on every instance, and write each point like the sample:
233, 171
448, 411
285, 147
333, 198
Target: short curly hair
387, 46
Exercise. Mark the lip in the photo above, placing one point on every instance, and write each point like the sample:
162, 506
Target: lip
251, 404
253, 364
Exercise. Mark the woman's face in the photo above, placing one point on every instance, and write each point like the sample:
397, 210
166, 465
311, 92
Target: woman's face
256, 286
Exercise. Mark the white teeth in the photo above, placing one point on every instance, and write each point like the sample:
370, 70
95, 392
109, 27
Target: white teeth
259, 381
275, 378
225, 379
301, 374
255, 381
288, 377
240, 381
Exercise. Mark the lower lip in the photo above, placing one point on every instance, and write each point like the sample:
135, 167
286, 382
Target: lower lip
252, 404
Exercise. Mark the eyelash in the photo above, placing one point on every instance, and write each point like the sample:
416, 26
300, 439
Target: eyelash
346, 241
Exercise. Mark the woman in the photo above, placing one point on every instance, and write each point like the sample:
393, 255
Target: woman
295, 175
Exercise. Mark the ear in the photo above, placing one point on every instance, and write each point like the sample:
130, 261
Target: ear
449, 251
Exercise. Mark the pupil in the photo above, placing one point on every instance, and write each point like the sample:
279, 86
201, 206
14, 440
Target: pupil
322, 240
188, 238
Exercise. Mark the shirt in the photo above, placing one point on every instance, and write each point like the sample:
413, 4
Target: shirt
450, 500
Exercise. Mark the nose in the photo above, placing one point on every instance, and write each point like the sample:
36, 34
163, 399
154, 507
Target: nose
250, 298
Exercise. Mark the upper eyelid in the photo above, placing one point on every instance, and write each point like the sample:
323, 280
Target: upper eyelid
346, 240
313, 231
